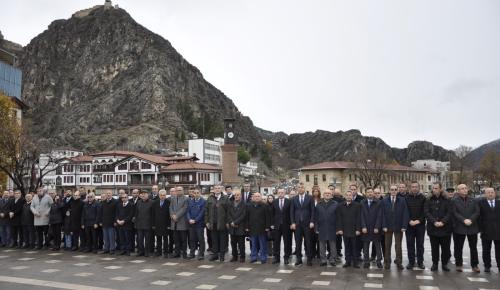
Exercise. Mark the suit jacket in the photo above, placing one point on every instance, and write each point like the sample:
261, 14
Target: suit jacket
27, 217
438, 209
196, 212
467, 208
371, 218
143, 216
280, 216
258, 218
17, 208
302, 214
216, 212
395, 219
125, 213
489, 220
161, 217
179, 206
325, 216
237, 214
349, 218
246, 200
107, 213
75, 214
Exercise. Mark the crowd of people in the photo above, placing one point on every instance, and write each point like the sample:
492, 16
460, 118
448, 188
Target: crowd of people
176, 225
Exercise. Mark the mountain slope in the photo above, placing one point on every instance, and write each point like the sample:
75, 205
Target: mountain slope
475, 156
99, 80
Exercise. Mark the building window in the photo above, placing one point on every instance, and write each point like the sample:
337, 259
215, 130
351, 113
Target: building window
307, 177
134, 165
315, 179
84, 168
122, 166
145, 165
324, 177
350, 177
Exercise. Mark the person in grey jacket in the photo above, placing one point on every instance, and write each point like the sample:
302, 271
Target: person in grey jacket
178, 221
466, 225
40, 207
216, 219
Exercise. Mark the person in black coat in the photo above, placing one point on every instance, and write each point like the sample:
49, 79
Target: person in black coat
67, 199
143, 219
90, 222
415, 234
27, 222
371, 227
258, 224
280, 223
438, 213
15, 212
56, 220
4, 219
339, 198
465, 225
302, 221
161, 223
237, 225
107, 221
349, 226
75, 220
490, 227
124, 216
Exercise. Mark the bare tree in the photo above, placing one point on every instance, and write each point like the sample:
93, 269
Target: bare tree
460, 164
371, 166
20, 153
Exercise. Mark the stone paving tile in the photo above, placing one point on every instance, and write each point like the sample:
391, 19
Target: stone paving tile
160, 283
372, 285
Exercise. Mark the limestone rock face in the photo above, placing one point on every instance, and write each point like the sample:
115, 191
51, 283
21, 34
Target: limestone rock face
99, 80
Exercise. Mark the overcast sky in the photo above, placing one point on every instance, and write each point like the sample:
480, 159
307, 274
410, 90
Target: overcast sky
399, 70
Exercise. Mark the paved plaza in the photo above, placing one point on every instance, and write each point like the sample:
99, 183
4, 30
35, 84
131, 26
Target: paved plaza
28, 269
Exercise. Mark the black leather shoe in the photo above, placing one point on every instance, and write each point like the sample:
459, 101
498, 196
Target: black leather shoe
276, 261
421, 266
309, 263
434, 268
445, 268
323, 264
346, 265
233, 259
213, 258
379, 265
487, 269
366, 265
410, 266
298, 263
286, 261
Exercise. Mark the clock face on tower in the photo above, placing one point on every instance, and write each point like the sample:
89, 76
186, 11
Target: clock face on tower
230, 135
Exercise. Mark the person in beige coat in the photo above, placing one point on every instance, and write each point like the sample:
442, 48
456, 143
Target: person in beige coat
40, 207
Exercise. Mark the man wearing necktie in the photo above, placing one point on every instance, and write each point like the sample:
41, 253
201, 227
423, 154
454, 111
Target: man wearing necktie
394, 223
490, 227
179, 224
302, 221
280, 223
371, 227
161, 223
195, 216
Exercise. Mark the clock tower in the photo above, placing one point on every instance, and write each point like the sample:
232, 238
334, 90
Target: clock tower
230, 153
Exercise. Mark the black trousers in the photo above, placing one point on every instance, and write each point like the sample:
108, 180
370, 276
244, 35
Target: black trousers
303, 233
126, 236
16, 234
209, 239
487, 252
314, 244
339, 245
75, 239
219, 241
197, 240
42, 236
29, 236
161, 244
180, 240
90, 238
458, 241
238, 246
144, 241
55, 232
415, 239
443, 243
351, 250
283, 232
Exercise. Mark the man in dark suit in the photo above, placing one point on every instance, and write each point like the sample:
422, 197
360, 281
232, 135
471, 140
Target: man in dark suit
466, 225
280, 224
246, 193
357, 197
302, 221
107, 220
349, 226
124, 215
237, 227
415, 233
196, 220
16, 208
216, 219
143, 218
371, 227
490, 227
394, 223
438, 213
258, 224
161, 223
133, 202
339, 198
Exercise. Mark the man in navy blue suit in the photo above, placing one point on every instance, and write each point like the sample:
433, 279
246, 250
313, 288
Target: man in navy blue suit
302, 219
394, 223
